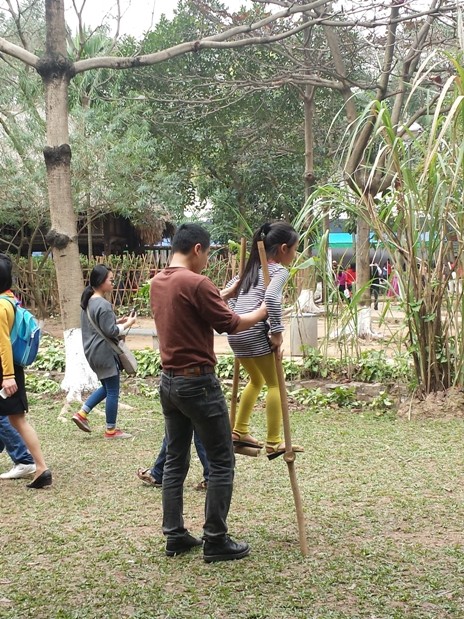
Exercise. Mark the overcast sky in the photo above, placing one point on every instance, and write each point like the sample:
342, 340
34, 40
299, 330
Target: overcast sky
138, 15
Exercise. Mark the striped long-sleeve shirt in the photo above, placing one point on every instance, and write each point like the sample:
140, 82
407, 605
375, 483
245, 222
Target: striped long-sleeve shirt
254, 342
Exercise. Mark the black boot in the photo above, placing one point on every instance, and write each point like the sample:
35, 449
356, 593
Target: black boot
225, 550
179, 545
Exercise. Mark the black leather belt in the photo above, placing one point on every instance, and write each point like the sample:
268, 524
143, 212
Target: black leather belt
197, 370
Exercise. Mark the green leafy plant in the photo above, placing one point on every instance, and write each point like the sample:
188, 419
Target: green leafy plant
35, 383
316, 365
149, 362
381, 404
418, 215
225, 367
316, 399
291, 369
374, 366
51, 356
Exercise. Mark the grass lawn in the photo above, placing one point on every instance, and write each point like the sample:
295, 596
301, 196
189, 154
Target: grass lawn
384, 508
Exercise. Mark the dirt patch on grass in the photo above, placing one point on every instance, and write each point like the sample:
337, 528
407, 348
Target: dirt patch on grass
447, 404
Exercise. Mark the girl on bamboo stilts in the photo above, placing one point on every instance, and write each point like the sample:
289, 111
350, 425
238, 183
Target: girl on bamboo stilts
255, 347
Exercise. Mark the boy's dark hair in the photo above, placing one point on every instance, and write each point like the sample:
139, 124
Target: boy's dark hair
187, 236
6, 277
273, 236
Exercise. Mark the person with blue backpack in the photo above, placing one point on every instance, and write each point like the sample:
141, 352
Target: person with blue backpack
13, 400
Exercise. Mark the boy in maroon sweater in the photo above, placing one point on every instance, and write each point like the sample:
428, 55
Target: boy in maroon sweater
187, 307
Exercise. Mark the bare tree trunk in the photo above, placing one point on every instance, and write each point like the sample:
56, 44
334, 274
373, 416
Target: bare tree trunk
362, 260
56, 72
309, 177
309, 275
89, 227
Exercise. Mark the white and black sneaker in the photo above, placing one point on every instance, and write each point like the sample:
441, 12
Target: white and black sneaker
19, 471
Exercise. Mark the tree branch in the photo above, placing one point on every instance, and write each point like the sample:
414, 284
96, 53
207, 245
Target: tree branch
223, 39
18, 52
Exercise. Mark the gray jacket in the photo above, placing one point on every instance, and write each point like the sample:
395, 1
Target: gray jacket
101, 357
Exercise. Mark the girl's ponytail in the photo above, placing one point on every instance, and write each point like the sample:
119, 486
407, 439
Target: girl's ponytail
85, 297
251, 273
273, 236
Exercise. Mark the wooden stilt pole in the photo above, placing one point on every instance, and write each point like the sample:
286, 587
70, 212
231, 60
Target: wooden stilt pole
236, 376
253, 452
289, 455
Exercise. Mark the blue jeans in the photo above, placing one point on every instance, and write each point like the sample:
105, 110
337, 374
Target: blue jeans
11, 440
110, 391
158, 467
196, 403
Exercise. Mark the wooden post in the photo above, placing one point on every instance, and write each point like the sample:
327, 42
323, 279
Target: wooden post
236, 376
289, 455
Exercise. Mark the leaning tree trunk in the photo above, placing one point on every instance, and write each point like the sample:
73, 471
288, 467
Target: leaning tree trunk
56, 72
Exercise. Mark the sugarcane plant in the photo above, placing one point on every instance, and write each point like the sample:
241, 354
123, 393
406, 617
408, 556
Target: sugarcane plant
419, 219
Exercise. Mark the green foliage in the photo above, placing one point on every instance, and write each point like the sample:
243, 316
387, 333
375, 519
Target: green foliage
369, 366
316, 399
341, 397
146, 389
225, 148
225, 367
143, 293
51, 356
22, 129
38, 384
374, 366
291, 369
381, 404
418, 215
316, 365
149, 362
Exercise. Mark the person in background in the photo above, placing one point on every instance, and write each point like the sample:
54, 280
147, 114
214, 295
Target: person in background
154, 476
341, 282
376, 283
23, 462
254, 347
187, 308
15, 404
101, 357
394, 284
386, 272
350, 278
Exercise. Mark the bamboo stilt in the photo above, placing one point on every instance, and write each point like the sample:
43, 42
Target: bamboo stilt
236, 375
289, 455
247, 451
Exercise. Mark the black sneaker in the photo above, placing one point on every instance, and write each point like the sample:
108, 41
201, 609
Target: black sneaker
178, 545
227, 550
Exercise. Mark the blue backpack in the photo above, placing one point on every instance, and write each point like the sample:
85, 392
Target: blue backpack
25, 334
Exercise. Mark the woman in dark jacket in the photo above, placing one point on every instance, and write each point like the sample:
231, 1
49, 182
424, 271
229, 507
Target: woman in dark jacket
100, 355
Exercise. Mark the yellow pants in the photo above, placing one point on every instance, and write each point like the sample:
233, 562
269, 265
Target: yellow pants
261, 370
